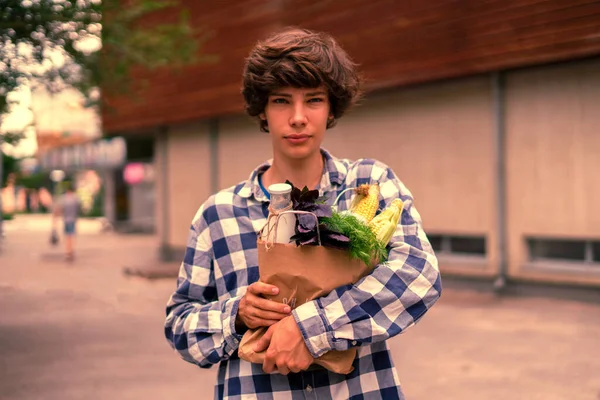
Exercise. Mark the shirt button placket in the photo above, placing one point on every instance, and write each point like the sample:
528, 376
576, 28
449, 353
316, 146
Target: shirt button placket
309, 390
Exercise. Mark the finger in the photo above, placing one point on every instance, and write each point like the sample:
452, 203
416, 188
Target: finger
260, 288
283, 370
264, 341
294, 368
299, 365
263, 314
270, 305
257, 323
269, 363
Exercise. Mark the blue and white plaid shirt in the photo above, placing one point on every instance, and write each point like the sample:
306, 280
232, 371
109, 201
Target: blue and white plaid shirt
221, 262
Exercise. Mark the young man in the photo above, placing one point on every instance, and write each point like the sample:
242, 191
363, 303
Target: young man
297, 83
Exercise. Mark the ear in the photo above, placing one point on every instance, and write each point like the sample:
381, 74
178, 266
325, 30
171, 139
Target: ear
262, 116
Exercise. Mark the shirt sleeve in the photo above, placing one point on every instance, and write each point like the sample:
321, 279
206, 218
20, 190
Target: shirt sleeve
392, 298
198, 326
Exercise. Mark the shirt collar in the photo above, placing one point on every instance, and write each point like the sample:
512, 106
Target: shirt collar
334, 174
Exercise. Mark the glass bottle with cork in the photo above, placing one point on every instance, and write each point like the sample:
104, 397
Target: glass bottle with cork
281, 226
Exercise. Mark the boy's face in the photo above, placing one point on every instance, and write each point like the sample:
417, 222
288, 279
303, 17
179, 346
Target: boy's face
297, 120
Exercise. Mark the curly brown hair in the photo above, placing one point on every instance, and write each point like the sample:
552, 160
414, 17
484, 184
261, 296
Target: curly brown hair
300, 58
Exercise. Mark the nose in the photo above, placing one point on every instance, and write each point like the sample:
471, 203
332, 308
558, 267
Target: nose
298, 117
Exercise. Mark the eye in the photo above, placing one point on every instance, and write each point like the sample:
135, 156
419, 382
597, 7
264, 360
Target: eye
316, 100
279, 100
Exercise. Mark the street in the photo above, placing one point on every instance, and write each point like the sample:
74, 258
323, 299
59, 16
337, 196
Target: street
84, 330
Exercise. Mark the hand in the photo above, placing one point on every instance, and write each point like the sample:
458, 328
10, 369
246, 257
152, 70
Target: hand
286, 350
256, 311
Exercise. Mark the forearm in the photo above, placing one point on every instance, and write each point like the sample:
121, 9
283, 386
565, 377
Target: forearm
203, 334
385, 303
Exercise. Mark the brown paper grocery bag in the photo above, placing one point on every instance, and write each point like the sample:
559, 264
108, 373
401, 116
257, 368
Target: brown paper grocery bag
304, 273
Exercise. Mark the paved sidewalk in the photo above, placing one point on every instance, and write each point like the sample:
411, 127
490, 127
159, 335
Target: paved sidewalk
85, 330
135, 254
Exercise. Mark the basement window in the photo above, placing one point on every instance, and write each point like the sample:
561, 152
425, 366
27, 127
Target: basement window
436, 242
596, 252
458, 245
467, 245
572, 250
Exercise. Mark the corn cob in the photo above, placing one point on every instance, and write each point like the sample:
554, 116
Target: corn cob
366, 202
384, 225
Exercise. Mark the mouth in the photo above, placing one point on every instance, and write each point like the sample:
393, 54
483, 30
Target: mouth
297, 138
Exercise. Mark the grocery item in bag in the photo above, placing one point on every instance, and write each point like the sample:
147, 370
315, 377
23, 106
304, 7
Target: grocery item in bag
304, 273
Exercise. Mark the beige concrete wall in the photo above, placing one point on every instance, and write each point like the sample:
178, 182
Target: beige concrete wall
241, 148
188, 178
553, 143
439, 141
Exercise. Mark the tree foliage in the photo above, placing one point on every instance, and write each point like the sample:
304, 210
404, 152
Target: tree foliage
10, 165
56, 43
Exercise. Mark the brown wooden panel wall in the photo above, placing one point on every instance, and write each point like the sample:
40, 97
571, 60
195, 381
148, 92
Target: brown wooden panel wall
396, 43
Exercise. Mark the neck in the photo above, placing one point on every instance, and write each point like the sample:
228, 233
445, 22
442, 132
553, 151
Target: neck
305, 172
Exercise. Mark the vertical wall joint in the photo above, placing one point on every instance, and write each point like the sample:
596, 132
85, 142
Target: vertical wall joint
499, 104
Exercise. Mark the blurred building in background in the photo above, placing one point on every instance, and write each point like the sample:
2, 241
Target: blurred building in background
69, 139
488, 111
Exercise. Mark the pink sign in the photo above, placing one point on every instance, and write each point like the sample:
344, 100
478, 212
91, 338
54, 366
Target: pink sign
134, 173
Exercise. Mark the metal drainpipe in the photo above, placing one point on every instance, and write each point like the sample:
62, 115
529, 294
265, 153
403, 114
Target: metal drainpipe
499, 101
213, 130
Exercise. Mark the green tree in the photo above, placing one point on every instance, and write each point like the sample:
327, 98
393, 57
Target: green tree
10, 165
56, 43
35, 180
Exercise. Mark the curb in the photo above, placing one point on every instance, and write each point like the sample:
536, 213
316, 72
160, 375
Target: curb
152, 273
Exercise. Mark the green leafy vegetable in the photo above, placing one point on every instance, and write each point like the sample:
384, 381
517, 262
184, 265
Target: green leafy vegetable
363, 242
340, 230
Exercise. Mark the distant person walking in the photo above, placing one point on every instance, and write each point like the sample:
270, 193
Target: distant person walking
67, 207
